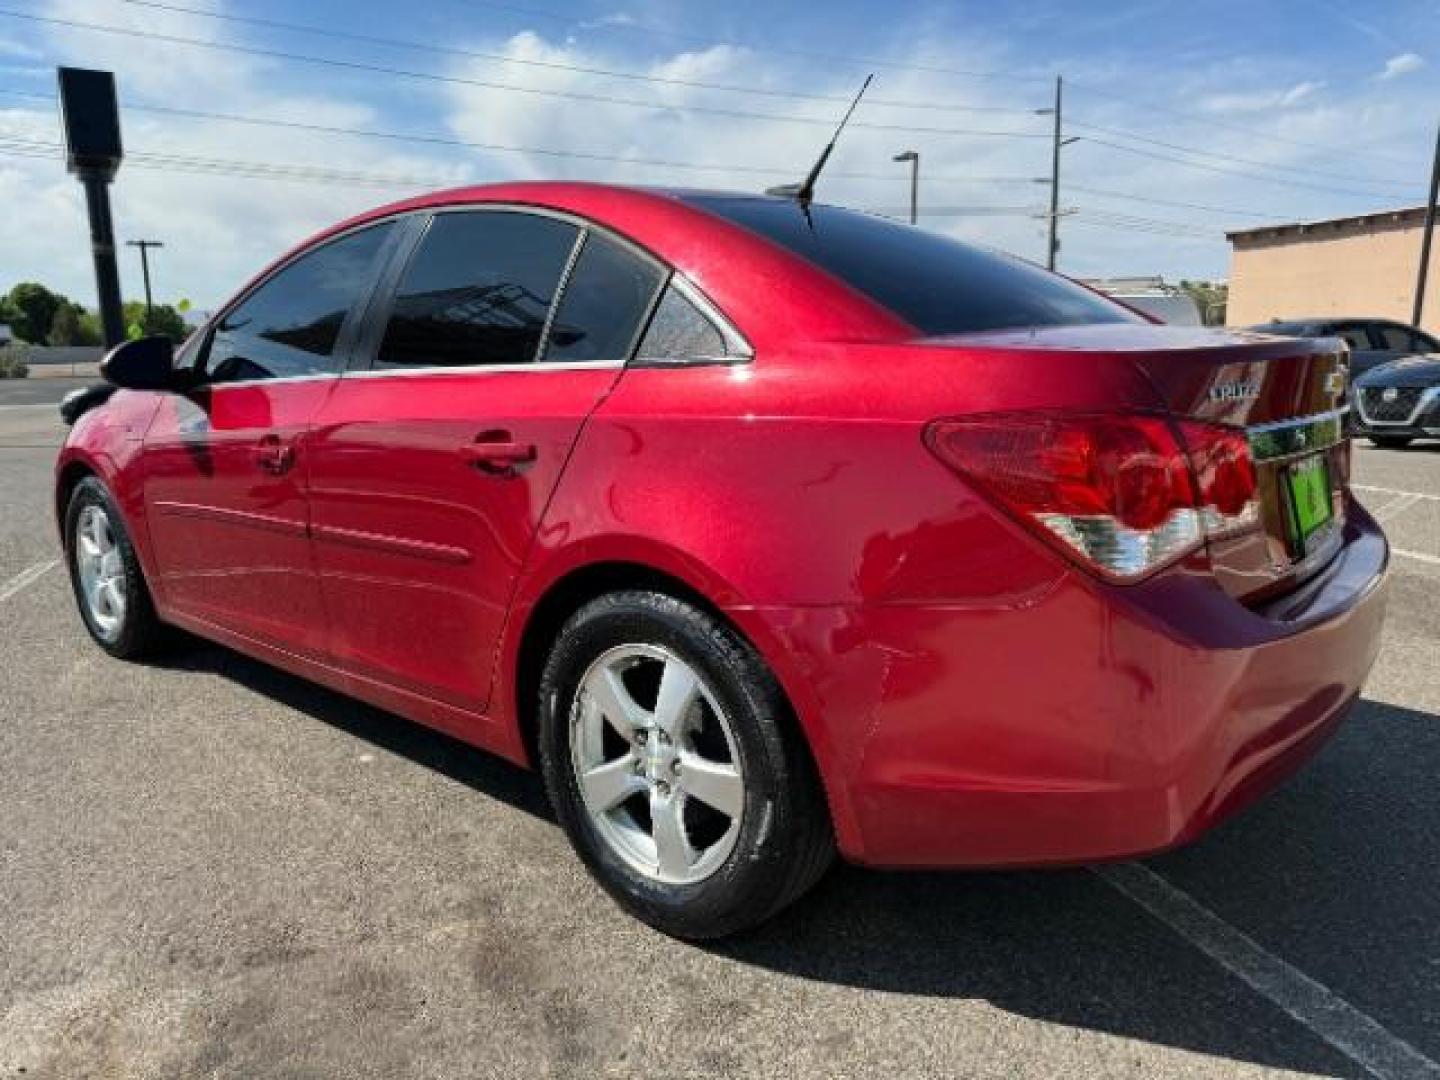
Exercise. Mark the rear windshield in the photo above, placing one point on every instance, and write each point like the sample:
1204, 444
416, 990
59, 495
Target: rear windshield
937, 285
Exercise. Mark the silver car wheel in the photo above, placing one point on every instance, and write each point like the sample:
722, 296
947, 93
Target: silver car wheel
101, 571
657, 764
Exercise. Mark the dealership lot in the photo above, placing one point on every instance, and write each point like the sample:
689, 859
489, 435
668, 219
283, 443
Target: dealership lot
209, 868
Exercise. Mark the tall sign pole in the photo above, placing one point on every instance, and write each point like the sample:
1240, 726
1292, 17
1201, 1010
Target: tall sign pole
1426, 238
91, 119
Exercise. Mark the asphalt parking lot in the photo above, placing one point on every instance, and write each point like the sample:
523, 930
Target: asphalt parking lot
212, 869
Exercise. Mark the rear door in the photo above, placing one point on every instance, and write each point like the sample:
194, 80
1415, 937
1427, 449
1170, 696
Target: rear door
225, 465
432, 466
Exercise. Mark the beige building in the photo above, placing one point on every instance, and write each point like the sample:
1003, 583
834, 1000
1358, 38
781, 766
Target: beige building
1360, 266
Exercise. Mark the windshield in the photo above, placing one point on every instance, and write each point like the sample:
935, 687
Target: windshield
936, 284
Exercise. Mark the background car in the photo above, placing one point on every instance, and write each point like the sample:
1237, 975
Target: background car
1399, 402
763, 528
1372, 341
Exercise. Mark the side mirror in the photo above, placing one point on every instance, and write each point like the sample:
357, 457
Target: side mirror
147, 363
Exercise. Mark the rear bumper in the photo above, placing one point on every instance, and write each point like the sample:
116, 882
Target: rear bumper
1089, 724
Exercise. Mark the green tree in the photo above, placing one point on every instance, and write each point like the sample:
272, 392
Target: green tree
161, 319
32, 310
1210, 297
65, 326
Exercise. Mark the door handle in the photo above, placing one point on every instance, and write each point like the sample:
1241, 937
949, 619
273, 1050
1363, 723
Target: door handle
497, 452
274, 454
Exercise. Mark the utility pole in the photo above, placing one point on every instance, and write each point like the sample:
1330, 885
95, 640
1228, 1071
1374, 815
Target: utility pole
1052, 248
145, 246
1425, 239
913, 157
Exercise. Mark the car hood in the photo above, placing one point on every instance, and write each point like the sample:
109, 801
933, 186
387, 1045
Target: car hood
1421, 371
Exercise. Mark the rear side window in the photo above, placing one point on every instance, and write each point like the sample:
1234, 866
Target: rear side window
290, 325
477, 290
606, 297
679, 333
937, 285
1400, 339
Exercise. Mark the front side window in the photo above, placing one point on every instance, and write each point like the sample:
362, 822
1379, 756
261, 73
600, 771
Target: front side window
606, 297
477, 291
290, 325
936, 284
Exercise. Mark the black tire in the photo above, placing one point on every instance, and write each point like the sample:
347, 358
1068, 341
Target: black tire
784, 841
1392, 442
139, 631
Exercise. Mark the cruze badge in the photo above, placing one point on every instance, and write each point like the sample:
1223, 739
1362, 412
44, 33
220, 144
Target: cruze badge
1235, 391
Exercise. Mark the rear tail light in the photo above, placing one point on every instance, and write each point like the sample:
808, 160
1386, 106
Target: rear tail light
1120, 493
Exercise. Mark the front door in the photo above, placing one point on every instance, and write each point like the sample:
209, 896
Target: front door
430, 471
225, 465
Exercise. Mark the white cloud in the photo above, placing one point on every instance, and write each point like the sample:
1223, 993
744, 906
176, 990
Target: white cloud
1262, 101
1403, 64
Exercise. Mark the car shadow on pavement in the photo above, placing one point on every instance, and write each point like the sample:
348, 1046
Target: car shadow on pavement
477, 769
1334, 873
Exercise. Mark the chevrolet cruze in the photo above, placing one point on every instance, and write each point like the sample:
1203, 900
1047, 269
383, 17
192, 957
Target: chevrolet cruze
763, 529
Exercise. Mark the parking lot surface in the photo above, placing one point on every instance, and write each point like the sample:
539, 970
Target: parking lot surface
209, 868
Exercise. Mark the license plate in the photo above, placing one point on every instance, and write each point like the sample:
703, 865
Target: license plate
1307, 488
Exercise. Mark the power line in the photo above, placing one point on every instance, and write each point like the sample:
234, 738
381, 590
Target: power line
430, 76
655, 31
1240, 172
443, 140
331, 33
1233, 211
1219, 156
1129, 99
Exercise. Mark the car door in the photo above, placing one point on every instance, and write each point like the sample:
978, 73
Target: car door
431, 468
225, 463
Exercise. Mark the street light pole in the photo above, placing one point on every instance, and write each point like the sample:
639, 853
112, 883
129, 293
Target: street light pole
913, 157
145, 246
1052, 248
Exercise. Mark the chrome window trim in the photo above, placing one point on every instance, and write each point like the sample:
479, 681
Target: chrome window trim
312, 377
1427, 395
483, 369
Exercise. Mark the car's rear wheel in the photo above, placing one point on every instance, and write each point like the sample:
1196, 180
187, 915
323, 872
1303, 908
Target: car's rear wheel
676, 768
1391, 442
105, 575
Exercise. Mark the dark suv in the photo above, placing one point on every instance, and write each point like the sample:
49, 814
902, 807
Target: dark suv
1372, 341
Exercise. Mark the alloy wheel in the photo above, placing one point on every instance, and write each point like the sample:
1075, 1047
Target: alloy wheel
657, 764
101, 570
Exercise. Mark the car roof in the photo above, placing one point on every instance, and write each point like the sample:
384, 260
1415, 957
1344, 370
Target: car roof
734, 267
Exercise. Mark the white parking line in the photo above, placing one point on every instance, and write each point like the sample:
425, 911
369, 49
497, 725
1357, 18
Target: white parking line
1394, 506
26, 577
1419, 555
1346, 1028
1395, 491
41, 405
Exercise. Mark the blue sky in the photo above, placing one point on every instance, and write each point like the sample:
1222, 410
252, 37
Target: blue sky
1191, 118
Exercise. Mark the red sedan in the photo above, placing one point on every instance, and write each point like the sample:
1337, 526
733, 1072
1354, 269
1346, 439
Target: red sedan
763, 529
